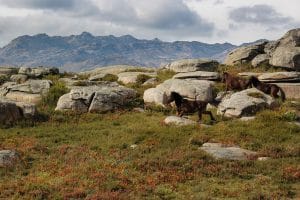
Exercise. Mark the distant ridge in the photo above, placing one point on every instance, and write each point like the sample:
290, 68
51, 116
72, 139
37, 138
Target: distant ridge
85, 51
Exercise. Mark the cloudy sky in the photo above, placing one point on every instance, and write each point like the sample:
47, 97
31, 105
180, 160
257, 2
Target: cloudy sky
210, 21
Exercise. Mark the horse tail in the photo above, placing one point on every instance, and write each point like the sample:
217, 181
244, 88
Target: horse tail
282, 94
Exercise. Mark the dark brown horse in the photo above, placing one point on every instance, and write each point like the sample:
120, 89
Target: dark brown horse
184, 106
268, 88
234, 82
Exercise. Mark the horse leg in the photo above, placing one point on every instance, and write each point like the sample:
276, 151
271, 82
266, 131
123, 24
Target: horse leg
210, 114
199, 116
274, 92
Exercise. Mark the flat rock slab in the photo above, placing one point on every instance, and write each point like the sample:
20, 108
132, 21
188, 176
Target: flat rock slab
220, 151
178, 121
116, 69
8, 158
280, 77
200, 75
192, 65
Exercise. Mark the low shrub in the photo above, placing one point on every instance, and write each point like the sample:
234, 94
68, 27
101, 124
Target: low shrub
142, 78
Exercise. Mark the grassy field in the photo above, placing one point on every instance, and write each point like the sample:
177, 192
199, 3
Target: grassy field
91, 157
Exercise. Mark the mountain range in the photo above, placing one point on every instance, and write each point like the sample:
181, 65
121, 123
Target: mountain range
85, 51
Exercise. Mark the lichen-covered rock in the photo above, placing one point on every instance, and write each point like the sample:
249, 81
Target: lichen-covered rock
260, 59
32, 86
244, 54
24, 97
192, 65
199, 90
244, 103
97, 98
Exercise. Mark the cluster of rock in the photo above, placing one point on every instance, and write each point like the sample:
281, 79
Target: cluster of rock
22, 91
198, 85
284, 52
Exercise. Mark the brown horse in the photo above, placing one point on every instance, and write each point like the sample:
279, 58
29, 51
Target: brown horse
234, 82
184, 106
267, 88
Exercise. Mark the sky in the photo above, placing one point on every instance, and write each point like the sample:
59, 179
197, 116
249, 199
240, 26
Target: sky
209, 21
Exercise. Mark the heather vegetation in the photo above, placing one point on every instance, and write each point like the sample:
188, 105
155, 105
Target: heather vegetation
132, 155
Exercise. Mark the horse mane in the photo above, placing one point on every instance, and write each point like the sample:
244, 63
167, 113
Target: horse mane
254, 80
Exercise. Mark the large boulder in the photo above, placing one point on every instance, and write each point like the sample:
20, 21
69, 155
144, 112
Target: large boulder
32, 86
192, 65
287, 57
200, 75
97, 98
199, 90
29, 92
244, 103
260, 59
244, 54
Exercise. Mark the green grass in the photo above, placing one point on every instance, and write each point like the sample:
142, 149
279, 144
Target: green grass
90, 156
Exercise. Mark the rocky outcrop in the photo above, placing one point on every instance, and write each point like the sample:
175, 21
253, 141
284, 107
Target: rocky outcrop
244, 54
192, 65
244, 103
29, 92
221, 151
199, 90
284, 53
98, 98
200, 75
